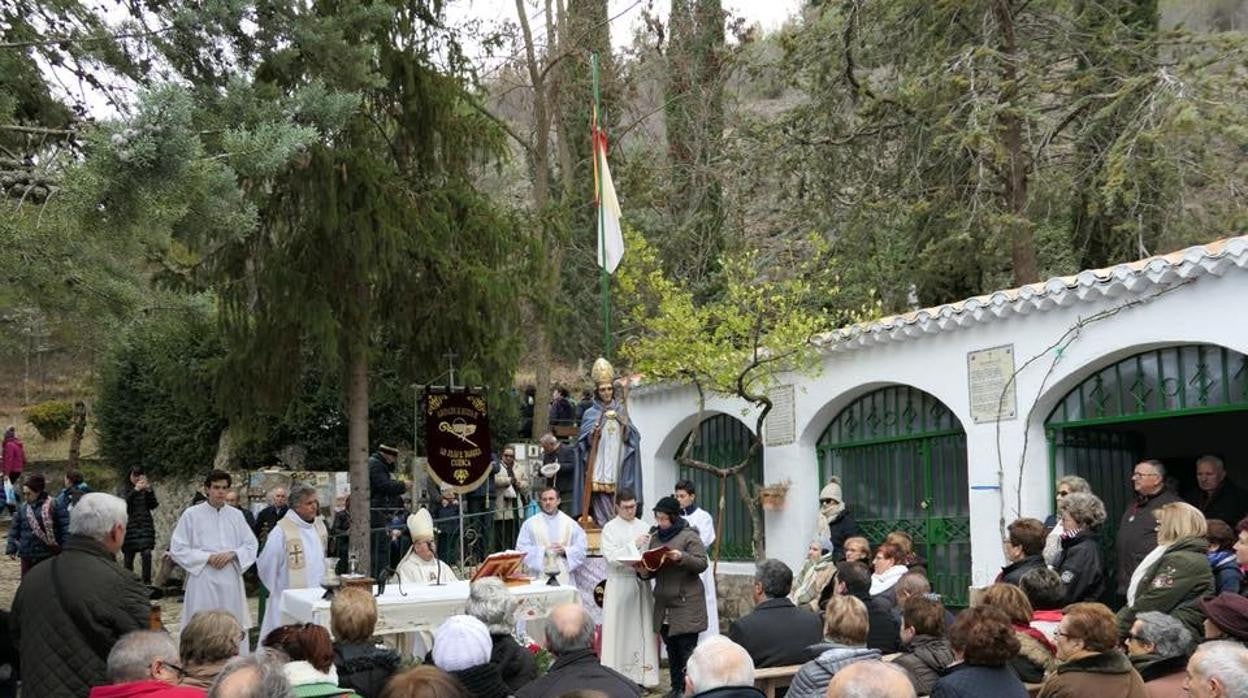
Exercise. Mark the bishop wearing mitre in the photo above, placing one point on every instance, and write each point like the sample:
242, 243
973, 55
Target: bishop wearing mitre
606, 448
421, 566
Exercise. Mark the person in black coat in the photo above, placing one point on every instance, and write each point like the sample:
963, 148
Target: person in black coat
140, 529
983, 643
385, 501
231, 498
1215, 495
569, 631
776, 633
490, 602
720, 668
853, 579
564, 455
1024, 548
268, 517
833, 513
70, 610
362, 666
1079, 563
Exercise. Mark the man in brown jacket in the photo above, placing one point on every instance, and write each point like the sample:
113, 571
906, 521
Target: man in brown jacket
1137, 532
679, 602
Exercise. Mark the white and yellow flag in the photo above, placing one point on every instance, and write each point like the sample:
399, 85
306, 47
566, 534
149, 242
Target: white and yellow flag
610, 236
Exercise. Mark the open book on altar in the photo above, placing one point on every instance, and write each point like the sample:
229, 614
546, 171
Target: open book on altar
507, 566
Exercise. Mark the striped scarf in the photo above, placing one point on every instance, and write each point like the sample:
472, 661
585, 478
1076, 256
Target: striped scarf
44, 530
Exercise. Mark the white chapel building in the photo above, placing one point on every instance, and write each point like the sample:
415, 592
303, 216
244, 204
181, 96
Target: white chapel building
950, 422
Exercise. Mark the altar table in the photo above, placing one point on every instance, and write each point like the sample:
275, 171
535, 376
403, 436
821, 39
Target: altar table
424, 607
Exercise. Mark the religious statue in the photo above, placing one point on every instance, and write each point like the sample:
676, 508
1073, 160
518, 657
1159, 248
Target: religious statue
606, 450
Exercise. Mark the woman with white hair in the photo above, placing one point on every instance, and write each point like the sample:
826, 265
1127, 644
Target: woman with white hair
1079, 565
490, 602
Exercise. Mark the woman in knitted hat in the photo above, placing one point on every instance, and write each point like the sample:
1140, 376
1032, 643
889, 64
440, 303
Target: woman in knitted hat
462, 648
679, 603
835, 523
818, 572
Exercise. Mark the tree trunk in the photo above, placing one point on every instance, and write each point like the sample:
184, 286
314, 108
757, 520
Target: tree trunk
550, 262
357, 451
75, 438
1022, 241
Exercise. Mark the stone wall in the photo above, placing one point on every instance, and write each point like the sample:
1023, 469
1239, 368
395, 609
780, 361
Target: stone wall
736, 597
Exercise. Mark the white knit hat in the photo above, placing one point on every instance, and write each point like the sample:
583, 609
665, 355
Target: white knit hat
832, 490
461, 642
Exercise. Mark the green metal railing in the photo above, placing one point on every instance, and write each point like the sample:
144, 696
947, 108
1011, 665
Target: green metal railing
901, 457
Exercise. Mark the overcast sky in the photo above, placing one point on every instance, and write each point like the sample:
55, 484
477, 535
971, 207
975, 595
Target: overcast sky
625, 14
625, 18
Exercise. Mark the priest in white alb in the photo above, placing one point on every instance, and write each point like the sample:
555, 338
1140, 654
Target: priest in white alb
628, 640
686, 495
293, 555
551, 541
420, 566
213, 543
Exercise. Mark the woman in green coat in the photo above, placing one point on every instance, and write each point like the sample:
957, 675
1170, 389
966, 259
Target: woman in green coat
1175, 575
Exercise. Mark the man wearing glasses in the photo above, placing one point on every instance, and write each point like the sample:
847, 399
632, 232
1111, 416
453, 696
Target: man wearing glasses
1137, 532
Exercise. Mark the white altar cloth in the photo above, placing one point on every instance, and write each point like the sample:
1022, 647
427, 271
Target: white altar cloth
424, 607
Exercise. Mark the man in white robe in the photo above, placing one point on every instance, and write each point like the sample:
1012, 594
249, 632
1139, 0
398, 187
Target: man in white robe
628, 639
551, 541
699, 518
294, 554
420, 567
214, 545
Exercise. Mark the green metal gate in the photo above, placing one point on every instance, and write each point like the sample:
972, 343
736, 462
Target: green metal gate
901, 457
1089, 431
723, 441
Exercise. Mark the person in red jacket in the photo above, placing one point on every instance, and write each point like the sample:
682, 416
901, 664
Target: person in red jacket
13, 458
143, 664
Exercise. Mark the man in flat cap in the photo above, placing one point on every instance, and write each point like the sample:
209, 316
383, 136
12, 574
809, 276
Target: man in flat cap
385, 502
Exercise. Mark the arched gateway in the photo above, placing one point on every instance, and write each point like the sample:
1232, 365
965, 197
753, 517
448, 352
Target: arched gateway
901, 457
1174, 404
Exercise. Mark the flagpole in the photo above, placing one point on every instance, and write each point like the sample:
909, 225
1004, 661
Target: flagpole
604, 279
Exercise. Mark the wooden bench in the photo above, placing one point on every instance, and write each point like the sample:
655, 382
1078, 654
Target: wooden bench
769, 679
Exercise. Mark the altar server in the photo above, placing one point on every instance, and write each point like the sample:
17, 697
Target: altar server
628, 640
214, 545
294, 554
700, 519
551, 540
421, 566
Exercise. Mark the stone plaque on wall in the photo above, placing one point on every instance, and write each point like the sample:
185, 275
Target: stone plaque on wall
781, 425
989, 374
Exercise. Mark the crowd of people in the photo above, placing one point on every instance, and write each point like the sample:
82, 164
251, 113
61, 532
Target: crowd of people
859, 618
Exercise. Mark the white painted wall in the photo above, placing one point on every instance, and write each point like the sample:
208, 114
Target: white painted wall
1205, 310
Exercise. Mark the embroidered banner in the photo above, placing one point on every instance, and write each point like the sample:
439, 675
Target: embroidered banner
457, 436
